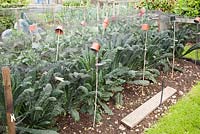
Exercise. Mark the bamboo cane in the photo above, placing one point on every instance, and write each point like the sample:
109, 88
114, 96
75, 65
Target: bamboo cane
95, 102
144, 64
57, 49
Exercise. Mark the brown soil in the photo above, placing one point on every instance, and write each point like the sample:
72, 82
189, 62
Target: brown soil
133, 99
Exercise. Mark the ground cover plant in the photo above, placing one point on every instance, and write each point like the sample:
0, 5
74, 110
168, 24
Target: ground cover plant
185, 114
44, 88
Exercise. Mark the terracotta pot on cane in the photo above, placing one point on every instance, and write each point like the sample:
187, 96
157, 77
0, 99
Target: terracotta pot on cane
59, 30
145, 27
95, 46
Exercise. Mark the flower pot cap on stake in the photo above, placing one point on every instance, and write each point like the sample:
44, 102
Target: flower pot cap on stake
145, 27
197, 20
95, 46
32, 27
105, 23
59, 30
106, 20
142, 11
83, 23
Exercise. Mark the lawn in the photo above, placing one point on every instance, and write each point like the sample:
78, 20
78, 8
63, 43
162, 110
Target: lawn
182, 118
191, 55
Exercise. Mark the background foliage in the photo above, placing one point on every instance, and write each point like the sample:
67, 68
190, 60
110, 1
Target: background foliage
179, 7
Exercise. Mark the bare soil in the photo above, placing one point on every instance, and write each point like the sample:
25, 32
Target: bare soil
133, 98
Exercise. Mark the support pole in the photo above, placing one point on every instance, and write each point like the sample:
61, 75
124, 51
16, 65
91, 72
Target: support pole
144, 65
57, 49
95, 101
174, 44
8, 100
98, 6
197, 51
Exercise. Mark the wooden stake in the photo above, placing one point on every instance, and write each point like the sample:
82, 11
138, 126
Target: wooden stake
144, 65
113, 9
57, 49
98, 6
8, 100
95, 101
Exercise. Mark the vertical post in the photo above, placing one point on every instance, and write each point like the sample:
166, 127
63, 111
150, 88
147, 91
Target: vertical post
95, 102
197, 51
161, 97
158, 21
98, 6
144, 65
8, 100
17, 19
118, 8
174, 44
57, 49
113, 8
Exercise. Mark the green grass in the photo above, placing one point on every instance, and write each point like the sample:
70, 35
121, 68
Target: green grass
182, 118
191, 55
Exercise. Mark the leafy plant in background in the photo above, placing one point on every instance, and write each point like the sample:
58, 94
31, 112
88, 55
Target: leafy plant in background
187, 8
163, 5
13, 3
6, 22
75, 2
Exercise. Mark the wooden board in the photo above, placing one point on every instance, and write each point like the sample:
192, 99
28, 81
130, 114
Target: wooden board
184, 20
141, 112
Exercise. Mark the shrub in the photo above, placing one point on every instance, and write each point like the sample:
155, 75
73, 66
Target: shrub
75, 2
187, 8
6, 22
13, 3
164, 5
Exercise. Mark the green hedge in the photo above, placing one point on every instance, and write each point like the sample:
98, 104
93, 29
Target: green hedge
13, 3
187, 8
180, 7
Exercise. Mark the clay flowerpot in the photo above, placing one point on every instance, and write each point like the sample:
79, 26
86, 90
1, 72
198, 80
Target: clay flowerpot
32, 27
197, 20
59, 30
145, 27
105, 23
95, 46
83, 23
142, 10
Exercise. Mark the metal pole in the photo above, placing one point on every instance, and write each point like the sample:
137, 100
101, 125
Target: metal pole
197, 51
174, 44
95, 102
